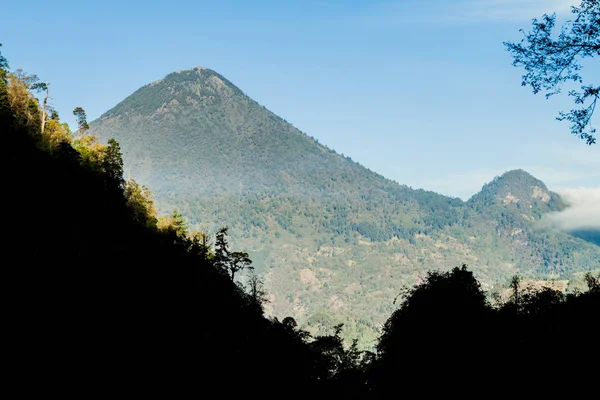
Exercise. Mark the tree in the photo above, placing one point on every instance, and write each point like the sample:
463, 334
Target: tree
221, 249
3, 64
34, 84
112, 163
140, 203
23, 105
256, 289
54, 115
82, 125
56, 132
46, 88
515, 285
593, 282
5, 111
178, 223
200, 244
448, 304
550, 62
238, 261
232, 262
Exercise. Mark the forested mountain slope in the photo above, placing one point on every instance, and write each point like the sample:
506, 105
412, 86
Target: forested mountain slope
333, 240
104, 296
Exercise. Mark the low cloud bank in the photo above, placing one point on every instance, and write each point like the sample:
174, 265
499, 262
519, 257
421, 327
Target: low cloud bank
583, 211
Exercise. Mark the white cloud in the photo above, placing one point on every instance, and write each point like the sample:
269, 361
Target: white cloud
583, 211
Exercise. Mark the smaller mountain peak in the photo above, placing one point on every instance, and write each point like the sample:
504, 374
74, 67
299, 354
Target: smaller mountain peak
517, 172
197, 69
515, 187
522, 175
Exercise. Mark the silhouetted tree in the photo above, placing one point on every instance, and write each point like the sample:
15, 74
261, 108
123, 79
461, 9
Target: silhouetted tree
238, 261
593, 282
515, 286
200, 245
255, 287
232, 262
221, 249
549, 62
439, 322
112, 163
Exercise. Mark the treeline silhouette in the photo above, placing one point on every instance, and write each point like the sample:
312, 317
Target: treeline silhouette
104, 293
104, 297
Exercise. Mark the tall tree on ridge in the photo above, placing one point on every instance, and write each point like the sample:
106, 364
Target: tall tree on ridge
82, 125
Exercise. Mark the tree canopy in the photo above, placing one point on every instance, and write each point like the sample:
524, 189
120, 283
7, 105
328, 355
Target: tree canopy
552, 60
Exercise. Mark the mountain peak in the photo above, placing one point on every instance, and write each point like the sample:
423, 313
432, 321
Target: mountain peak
521, 177
327, 234
188, 89
517, 188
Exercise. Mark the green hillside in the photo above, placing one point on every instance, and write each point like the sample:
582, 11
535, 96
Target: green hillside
334, 241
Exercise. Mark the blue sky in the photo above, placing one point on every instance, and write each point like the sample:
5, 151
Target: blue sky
422, 92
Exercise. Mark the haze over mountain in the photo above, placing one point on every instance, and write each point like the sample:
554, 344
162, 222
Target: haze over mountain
333, 240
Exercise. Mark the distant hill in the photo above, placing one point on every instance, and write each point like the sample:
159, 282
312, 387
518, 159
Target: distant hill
334, 241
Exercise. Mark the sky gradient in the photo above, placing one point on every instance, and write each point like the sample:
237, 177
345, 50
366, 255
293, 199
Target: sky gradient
422, 92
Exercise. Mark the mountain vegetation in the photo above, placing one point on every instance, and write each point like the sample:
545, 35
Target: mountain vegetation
105, 295
333, 241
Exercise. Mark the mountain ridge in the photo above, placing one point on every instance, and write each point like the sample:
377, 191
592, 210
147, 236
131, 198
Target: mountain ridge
175, 79
332, 239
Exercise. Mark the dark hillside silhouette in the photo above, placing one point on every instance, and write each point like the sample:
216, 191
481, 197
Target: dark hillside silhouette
105, 298
447, 338
102, 299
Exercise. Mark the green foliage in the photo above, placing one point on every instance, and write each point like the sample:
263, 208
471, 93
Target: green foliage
81, 117
140, 203
23, 106
178, 224
3, 63
112, 164
5, 108
31, 81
